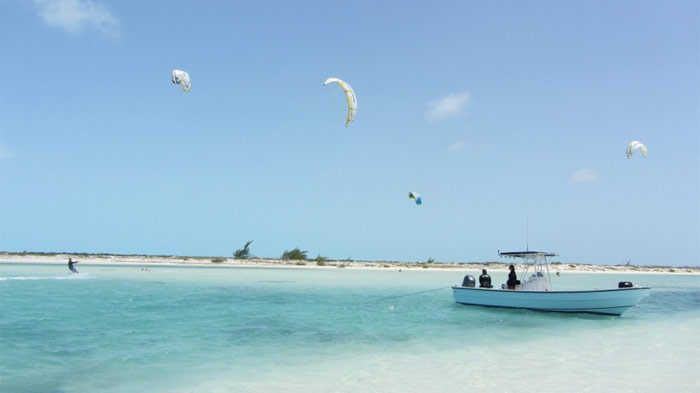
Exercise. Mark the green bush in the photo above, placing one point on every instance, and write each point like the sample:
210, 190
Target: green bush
243, 253
321, 261
296, 254
218, 260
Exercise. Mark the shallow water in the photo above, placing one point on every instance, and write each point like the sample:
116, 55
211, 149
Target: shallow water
215, 329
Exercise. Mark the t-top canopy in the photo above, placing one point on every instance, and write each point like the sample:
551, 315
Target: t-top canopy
526, 254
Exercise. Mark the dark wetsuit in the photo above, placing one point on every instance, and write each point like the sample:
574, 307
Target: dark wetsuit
71, 267
512, 280
485, 281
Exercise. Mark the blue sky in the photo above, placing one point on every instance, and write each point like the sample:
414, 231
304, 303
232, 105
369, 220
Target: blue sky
510, 118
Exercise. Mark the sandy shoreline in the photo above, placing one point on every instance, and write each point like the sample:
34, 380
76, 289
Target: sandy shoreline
103, 259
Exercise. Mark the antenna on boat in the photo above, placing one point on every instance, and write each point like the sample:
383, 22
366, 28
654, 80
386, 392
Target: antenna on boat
527, 225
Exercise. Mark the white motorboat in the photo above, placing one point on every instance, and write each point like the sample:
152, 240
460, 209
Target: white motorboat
535, 292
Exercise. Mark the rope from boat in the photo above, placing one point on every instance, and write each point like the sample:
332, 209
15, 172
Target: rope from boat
413, 293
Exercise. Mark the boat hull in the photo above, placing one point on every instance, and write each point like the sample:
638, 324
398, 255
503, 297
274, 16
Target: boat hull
602, 301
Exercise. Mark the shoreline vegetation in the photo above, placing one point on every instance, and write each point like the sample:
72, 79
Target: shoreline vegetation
323, 263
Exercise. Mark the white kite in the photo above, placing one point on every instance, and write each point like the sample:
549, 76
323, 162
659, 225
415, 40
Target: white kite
350, 95
181, 78
634, 146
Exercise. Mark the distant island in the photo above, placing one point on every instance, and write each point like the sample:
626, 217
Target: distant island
321, 263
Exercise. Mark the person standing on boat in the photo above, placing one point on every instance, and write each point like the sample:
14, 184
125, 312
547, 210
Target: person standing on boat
485, 280
71, 267
512, 278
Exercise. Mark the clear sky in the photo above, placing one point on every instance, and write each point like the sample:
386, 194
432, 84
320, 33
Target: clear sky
510, 118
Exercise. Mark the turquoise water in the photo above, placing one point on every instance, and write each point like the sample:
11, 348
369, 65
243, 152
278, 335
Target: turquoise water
210, 329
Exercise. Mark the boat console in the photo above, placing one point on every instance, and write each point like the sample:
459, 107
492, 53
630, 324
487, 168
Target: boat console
536, 282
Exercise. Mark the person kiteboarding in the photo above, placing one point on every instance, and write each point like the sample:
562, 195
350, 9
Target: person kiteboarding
71, 266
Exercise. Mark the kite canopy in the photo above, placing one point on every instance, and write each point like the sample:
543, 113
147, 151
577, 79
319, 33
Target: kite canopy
350, 95
181, 78
416, 197
634, 146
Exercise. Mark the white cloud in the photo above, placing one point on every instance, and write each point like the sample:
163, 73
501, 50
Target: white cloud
584, 175
75, 16
457, 146
449, 105
6, 154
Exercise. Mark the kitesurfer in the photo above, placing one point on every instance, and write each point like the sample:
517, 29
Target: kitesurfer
72, 268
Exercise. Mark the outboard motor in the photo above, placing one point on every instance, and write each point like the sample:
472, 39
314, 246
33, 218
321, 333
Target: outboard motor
469, 281
624, 284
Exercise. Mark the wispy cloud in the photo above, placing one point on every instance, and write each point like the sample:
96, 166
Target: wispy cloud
457, 146
450, 105
77, 16
584, 175
5, 154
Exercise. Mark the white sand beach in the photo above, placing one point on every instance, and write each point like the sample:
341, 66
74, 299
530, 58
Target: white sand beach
109, 259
